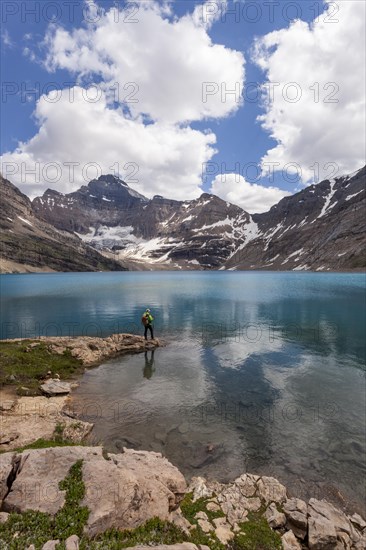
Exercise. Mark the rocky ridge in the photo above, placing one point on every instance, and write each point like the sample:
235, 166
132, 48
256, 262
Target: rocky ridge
113, 218
127, 489
320, 228
30, 244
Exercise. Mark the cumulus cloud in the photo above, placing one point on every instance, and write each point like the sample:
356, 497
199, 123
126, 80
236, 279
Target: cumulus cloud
252, 197
150, 66
171, 61
327, 123
79, 139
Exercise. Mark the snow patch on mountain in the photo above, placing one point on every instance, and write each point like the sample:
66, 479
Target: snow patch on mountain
328, 199
354, 195
25, 221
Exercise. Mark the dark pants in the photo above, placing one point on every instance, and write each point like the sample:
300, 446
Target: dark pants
149, 327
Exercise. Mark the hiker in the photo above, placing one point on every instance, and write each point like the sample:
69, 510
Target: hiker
147, 320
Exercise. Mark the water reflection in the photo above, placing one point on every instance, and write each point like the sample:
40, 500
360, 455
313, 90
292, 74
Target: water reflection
262, 372
148, 369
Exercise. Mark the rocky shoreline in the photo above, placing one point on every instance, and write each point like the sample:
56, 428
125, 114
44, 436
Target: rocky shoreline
124, 491
24, 419
91, 350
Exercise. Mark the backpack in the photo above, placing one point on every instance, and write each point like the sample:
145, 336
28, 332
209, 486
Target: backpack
144, 320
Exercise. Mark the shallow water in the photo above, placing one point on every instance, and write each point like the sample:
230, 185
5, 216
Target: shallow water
263, 372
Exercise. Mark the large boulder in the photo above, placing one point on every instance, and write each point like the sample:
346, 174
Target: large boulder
122, 492
36, 486
330, 527
129, 489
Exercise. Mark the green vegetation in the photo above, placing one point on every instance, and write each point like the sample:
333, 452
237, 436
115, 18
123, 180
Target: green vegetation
190, 509
25, 363
37, 528
32, 527
43, 444
154, 531
256, 534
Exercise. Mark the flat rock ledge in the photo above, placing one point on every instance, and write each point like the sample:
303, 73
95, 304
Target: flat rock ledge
92, 350
125, 490
26, 419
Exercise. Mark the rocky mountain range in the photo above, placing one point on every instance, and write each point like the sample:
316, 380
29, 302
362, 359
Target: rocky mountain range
323, 227
159, 233
28, 244
320, 228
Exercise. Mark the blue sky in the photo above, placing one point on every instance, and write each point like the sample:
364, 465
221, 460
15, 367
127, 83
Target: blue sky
33, 56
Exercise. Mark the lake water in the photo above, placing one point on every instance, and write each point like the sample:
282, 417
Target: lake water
262, 372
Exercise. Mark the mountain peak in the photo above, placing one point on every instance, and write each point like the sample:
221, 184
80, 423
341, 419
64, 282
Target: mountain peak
110, 178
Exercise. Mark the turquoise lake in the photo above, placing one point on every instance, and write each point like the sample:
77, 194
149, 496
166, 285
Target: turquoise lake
262, 372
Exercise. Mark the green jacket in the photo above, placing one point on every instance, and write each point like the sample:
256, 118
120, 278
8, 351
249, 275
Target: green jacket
149, 317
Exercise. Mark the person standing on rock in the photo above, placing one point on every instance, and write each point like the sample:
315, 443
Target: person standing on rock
148, 320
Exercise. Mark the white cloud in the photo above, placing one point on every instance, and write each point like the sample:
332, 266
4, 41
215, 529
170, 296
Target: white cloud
169, 60
252, 197
325, 52
168, 158
5, 38
160, 62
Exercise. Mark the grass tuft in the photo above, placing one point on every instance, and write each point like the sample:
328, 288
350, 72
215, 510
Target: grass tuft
25, 363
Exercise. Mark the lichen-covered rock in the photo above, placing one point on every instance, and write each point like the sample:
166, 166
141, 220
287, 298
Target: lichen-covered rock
198, 486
